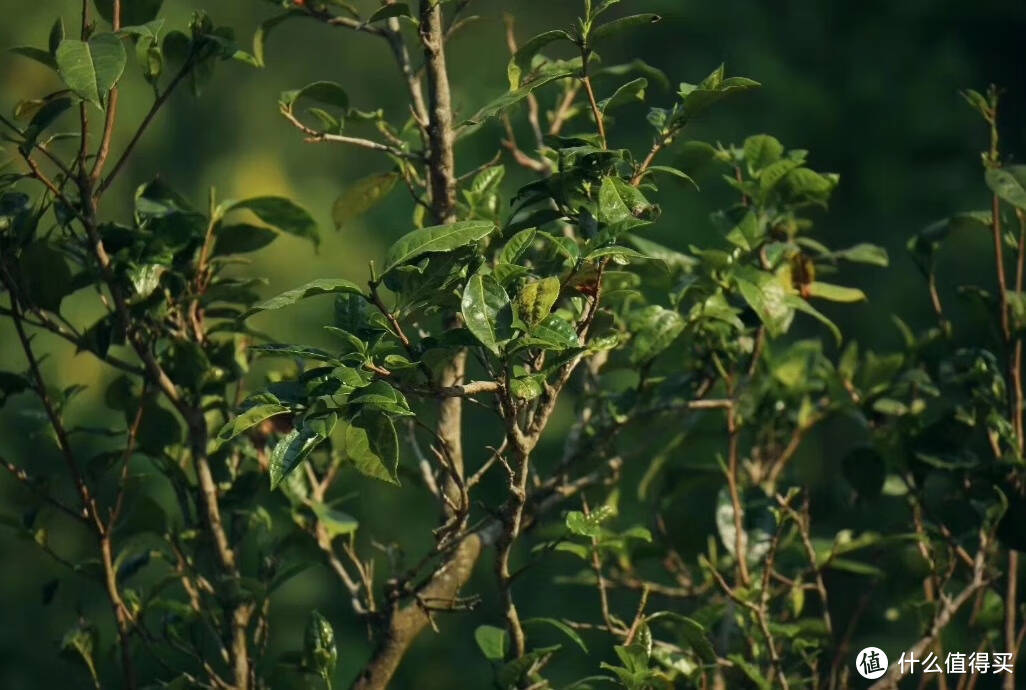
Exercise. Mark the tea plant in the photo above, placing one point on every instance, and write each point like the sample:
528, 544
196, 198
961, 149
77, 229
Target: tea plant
545, 303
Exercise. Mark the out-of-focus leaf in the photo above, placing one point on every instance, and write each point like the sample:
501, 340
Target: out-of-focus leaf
492, 641
282, 214
362, 196
323, 286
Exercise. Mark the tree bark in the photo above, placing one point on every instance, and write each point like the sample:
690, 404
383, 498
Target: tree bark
406, 622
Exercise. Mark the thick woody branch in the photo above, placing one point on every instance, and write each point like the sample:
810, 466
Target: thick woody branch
441, 159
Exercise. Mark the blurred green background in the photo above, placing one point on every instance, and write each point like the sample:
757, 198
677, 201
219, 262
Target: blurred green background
869, 87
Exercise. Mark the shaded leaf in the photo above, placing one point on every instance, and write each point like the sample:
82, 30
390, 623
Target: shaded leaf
247, 420
562, 627
282, 214
373, 447
622, 24
322, 286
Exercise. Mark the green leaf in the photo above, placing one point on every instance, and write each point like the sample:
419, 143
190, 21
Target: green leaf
835, 293
291, 450
79, 644
438, 238
758, 526
750, 670
132, 11
1017, 309
855, 567
796, 302
487, 311
248, 420
492, 641
774, 173
693, 633
488, 180
667, 170
865, 470
517, 245
320, 652
264, 30
555, 333
335, 522
45, 275
633, 91
145, 278
562, 627
92, 68
526, 387
761, 150
512, 673
623, 23
282, 214
241, 238
372, 445
362, 196
399, 9
157, 200
43, 118
327, 93
11, 384
38, 54
1009, 184
621, 206
521, 60
655, 330
670, 257
509, 99
535, 300
619, 255
56, 35
589, 525
382, 397
863, 254
300, 351
323, 286
767, 297
714, 88
158, 429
